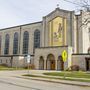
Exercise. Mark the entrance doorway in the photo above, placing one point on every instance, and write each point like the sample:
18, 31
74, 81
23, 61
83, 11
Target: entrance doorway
41, 63
60, 63
88, 64
50, 64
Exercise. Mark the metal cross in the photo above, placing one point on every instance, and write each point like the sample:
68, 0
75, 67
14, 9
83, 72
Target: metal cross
57, 5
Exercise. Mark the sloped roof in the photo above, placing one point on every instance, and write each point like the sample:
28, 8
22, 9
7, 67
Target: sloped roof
58, 9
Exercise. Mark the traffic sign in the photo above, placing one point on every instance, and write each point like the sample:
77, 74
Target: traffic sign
64, 55
28, 58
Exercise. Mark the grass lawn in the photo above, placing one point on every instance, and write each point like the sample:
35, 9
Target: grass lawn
9, 68
73, 74
5, 68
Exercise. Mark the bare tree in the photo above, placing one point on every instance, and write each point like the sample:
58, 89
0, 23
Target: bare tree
83, 5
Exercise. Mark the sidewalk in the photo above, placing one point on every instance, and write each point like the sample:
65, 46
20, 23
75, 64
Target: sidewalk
68, 82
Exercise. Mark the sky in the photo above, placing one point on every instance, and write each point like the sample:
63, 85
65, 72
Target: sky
19, 12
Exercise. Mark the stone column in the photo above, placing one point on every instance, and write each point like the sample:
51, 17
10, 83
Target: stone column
56, 58
45, 63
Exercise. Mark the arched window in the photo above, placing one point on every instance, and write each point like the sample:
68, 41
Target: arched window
25, 42
6, 50
89, 33
0, 44
36, 39
15, 43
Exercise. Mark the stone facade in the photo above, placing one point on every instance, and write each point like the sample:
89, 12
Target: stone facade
59, 31
80, 60
56, 51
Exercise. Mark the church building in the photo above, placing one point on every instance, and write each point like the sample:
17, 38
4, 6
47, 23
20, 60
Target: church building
60, 40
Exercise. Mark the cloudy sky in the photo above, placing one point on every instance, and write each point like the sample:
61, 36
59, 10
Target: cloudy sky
18, 12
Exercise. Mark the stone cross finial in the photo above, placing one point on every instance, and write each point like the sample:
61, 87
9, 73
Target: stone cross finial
57, 5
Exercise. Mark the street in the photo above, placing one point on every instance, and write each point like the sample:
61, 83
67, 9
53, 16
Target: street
9, 81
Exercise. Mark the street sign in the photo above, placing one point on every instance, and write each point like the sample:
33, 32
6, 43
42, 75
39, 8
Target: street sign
28, 58
64, 55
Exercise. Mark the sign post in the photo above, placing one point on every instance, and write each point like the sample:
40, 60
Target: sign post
64, 56
28, 61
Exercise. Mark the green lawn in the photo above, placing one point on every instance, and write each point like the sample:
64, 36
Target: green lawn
58, 78
73, 74
5, 68
9, 68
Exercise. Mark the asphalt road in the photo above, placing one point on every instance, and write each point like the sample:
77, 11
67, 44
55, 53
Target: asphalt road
8, 81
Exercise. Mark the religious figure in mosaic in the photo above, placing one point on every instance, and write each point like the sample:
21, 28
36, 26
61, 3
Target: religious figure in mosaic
58, 34
59, 30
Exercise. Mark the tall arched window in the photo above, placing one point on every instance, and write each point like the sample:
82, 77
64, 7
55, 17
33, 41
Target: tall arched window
25, 42
36, 39
89, 33
6, 50
15, 43
0, 44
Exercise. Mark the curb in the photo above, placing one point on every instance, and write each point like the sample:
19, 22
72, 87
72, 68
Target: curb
52, 80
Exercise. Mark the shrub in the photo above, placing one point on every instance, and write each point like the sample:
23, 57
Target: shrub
74, 68
4, 65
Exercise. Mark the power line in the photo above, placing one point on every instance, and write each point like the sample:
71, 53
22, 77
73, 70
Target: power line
78, 4
72, 2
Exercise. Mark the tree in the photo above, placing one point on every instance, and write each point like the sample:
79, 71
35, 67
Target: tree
83, 5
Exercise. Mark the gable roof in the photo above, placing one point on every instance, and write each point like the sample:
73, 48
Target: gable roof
58, 9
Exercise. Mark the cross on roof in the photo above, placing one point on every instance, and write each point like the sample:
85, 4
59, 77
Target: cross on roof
57, 5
